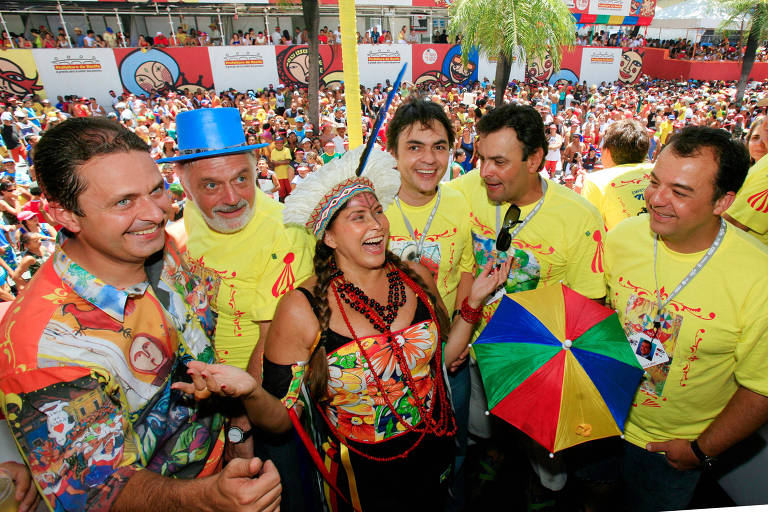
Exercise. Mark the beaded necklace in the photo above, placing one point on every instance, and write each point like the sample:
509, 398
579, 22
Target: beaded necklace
380, 316
442, 426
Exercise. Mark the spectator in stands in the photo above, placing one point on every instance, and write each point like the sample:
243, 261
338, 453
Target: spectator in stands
161, 41
79, 37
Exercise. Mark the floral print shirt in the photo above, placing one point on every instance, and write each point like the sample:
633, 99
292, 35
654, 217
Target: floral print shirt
86, 372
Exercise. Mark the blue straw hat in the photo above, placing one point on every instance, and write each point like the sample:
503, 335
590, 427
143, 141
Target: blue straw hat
208, 132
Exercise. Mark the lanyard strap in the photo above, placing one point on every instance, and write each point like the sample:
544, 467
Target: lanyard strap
419, 242
687, 279
527, 218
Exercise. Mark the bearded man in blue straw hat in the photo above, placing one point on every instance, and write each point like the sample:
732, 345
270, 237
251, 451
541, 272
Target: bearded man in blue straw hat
236, 242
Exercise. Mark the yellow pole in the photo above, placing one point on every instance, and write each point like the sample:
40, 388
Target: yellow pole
347, 15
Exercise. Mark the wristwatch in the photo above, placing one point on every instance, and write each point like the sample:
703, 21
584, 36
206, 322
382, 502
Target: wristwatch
236, 435
706, 460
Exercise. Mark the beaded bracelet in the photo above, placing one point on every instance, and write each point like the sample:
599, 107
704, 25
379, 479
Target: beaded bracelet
469, 314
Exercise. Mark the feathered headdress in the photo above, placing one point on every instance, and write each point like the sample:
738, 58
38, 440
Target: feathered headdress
324, 192
364, 169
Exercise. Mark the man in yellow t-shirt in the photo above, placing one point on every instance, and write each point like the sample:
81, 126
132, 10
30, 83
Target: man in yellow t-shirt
422, 153
705, 386
617, 190
749, 210
236, 241
665, 128
429, 223
560, 240
280, 158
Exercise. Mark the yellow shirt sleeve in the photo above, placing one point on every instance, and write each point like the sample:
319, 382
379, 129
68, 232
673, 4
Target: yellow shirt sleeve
750, 207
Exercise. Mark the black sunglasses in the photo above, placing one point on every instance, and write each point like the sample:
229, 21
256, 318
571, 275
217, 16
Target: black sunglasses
512, 217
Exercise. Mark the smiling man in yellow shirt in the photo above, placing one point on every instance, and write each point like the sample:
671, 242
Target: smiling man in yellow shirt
429, 224
672, 280
559, 237
237, 244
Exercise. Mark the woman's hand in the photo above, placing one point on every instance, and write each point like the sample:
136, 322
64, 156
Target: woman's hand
488, 281
220, 379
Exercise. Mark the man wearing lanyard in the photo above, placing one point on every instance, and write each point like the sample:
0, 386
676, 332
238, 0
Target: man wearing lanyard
673, 278
553, 234
430, 224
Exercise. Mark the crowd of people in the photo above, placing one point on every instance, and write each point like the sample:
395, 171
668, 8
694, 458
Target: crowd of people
43, 37
257, 285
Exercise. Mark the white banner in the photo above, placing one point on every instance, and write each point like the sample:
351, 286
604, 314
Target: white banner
243, 67
600, 65
379, 62
609, 7
88, 72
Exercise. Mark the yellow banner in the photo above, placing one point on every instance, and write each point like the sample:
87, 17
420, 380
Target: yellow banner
347, 15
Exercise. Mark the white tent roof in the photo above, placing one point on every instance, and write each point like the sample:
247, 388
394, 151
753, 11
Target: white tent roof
690, 14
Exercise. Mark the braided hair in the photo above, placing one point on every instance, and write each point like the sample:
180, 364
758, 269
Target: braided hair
318, 363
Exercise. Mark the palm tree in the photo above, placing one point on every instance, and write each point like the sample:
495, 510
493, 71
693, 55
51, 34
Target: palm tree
311, 10
737, 12
513, 29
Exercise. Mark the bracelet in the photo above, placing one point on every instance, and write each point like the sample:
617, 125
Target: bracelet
469, 314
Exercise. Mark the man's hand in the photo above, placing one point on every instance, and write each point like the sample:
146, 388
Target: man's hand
245, 485
26, 492
678, 452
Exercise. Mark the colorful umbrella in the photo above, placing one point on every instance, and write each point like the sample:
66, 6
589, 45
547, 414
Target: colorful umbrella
558, 366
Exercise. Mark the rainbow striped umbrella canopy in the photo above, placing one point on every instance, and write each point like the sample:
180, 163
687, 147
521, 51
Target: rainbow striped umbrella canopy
557, 366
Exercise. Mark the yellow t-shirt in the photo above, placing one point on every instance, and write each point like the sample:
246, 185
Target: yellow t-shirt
714, 331
247, 272
665, 128
447, 250
281, 154
751, 204
618, 192
562, 243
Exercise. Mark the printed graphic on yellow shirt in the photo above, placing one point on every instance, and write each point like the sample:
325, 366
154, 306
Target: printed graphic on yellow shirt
630, 195
639, 318
525, 271
406, 249
759, 201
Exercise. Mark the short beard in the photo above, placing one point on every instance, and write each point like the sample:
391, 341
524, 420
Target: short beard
227, 226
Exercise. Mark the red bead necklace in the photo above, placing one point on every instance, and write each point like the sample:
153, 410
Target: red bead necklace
381, 316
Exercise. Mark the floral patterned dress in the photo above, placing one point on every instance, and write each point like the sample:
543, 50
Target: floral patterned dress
378, 463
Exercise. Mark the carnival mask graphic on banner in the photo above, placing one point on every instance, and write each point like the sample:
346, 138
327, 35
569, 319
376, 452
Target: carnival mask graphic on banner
452, 70
539, 70
158, 72
630, 67
293, 65
13, 80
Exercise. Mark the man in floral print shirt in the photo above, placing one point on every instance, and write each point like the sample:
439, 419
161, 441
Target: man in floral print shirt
92, 346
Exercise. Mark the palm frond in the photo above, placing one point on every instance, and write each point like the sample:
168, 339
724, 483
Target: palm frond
518, 29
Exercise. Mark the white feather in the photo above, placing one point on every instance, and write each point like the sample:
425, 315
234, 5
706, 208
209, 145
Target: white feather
379, 169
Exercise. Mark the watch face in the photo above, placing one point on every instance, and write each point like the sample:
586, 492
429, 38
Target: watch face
234, 434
